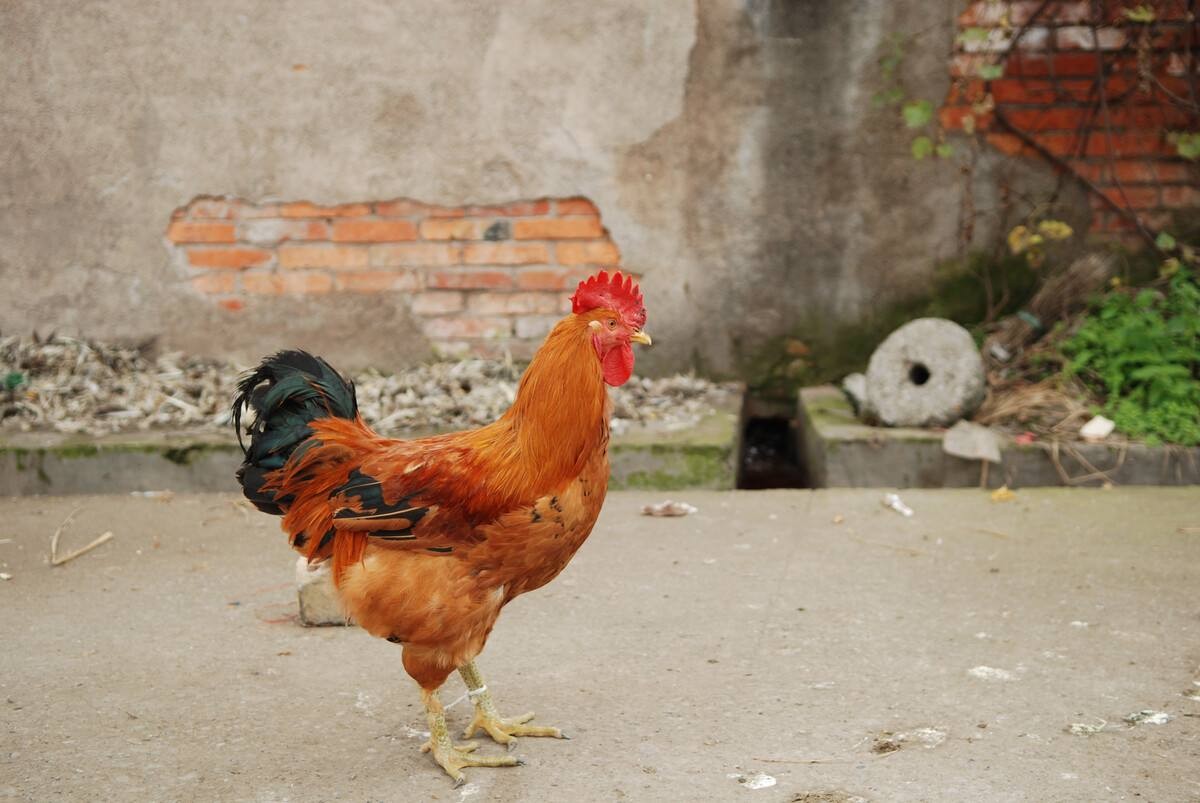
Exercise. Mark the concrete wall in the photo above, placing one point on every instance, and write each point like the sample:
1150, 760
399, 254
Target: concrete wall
732, 149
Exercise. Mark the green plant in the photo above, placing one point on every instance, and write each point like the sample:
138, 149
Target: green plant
917, 114
1141, 352
1187, 143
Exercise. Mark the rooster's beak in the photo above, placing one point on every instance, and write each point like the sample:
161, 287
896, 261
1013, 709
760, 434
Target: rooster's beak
640, 337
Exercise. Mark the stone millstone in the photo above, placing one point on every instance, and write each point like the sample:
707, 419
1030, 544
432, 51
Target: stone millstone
927, 373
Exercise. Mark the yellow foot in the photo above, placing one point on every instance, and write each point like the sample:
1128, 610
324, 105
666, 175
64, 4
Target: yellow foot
453, 757
505, 731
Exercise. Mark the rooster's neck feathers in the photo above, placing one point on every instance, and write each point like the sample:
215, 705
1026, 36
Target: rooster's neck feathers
558, 420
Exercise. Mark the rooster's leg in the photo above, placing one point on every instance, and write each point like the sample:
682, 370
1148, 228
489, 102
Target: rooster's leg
488, 719
453, 757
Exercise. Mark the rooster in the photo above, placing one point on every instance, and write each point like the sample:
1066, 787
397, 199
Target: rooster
429, 539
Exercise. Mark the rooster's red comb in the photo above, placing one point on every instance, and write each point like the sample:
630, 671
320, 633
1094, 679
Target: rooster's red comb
618, 293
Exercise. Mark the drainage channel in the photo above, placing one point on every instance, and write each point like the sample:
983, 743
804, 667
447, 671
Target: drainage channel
769, 452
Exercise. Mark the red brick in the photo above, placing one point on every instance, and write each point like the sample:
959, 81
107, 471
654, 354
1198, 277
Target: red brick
428, 254
1177, 197
1171, 172
1052, 118
593, 253
215, 283
965, 92
273, 231
373, 231
1009, 144
576, 206
182, 231
1095, 172
322, 256
1151, 118
227, 257
232, 304
1080, 37
1041, 91
401, 207
1136, 172
1128, 143
470, 326
1060, 64
454, 228
1171, 38
300, 283
446, 211
517, 209
1130, 171
572, 228
1133, 197
306, 209
954, 118
469, 279
378, 281
513, 303
436, 302
564, 279
505, 254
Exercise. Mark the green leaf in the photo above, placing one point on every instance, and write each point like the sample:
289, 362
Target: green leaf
1164, 241
1187, 144
990, 72
1142, 13
14, 380
974, 35
944, 150
922, 147
917, 113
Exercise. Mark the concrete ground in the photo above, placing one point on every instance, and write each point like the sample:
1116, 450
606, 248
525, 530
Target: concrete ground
775, 646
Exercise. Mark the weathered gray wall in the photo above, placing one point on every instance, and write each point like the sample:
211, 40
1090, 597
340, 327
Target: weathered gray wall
732, 148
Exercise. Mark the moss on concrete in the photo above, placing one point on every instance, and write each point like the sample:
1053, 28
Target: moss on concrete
957, 293
671, 467
644, 457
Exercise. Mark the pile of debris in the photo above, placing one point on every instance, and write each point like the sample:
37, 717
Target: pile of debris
63, 384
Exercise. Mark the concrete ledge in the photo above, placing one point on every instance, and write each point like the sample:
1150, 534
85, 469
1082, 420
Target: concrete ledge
646, 456
841, 452
42, 463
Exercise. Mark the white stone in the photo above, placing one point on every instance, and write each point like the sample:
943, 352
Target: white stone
972, 442
1097, 429
319, 603
855, 386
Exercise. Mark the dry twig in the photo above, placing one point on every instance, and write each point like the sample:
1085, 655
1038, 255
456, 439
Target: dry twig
55, 559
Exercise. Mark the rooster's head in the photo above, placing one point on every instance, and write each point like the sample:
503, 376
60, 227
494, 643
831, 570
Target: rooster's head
615, 312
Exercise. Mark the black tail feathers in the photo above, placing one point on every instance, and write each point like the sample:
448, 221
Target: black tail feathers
286, 392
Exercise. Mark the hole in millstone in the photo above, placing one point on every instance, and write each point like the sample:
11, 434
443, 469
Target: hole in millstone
918, 373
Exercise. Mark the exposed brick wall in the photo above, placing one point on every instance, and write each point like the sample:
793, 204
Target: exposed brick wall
1090, 90
480, 279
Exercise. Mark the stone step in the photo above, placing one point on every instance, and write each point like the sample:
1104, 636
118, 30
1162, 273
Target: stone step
842, 452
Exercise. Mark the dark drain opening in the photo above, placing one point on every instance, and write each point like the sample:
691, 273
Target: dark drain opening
769, 454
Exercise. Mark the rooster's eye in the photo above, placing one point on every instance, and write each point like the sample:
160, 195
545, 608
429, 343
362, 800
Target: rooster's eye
612, 324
